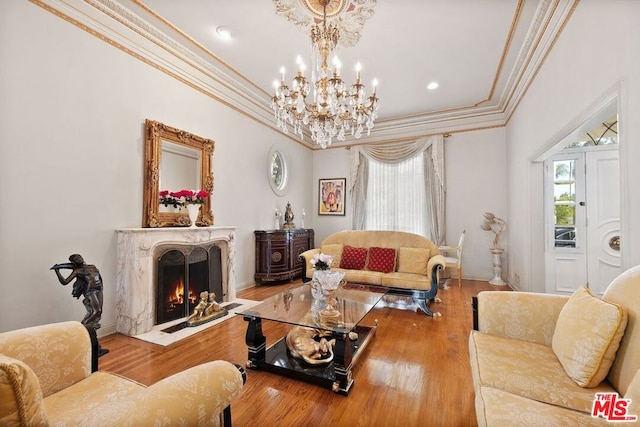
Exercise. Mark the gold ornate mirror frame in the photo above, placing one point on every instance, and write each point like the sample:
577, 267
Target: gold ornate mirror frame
155, 134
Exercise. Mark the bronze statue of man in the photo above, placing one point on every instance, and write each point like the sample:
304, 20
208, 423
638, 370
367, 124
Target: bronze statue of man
88, 284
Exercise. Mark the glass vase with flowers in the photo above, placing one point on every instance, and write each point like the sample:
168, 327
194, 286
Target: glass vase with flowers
324, 280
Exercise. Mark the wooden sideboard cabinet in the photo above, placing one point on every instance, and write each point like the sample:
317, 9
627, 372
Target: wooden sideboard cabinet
277, 253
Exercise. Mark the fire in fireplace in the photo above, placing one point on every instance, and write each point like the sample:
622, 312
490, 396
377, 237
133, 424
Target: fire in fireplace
183, 272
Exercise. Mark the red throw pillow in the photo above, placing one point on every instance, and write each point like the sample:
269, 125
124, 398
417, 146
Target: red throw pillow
382, 259
353, 258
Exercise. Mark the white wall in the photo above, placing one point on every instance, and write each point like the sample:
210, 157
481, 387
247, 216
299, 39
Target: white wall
72, 111
596, 54
330, 163
476, 183
475, 174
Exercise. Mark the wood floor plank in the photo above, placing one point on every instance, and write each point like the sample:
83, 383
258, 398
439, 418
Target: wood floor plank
415, 372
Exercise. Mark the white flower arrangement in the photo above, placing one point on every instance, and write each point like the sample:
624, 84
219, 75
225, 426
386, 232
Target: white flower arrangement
321, 261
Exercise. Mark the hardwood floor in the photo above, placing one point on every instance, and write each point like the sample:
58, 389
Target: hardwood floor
414, 372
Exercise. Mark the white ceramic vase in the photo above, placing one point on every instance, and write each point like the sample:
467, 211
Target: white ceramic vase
193, 210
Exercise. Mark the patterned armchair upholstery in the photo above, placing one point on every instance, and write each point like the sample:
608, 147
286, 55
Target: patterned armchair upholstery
518, 354
48, 377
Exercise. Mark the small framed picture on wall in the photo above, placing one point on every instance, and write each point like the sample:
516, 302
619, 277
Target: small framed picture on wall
331, 196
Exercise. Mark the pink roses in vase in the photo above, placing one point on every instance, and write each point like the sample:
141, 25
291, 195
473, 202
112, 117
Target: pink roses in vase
181, 198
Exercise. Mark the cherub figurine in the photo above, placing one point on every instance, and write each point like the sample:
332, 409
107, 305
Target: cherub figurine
206, 310
199, 309
212, 306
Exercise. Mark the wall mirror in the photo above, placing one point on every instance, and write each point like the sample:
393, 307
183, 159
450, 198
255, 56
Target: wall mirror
175, 160
278, 171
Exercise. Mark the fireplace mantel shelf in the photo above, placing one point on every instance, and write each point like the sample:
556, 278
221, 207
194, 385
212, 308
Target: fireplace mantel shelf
163, 229
135, 304
179, 230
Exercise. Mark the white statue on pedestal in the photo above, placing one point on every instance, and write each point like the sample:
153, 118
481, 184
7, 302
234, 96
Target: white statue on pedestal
496, 226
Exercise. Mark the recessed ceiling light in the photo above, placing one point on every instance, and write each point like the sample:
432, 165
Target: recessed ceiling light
224, 33
432, 86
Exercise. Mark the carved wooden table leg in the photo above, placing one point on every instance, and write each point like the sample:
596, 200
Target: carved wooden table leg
256, 342
342, 358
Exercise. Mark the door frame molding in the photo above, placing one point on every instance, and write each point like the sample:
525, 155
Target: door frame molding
614, 99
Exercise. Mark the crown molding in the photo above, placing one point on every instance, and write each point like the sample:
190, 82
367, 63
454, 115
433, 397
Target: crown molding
147, 37
394, 130
551, 18
121, 28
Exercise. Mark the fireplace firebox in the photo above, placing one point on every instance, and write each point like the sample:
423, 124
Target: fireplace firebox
183, 272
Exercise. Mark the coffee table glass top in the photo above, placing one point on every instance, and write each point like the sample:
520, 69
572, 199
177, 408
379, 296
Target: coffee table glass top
298, 307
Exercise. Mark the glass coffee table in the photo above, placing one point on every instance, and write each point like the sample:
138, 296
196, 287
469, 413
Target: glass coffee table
325, 339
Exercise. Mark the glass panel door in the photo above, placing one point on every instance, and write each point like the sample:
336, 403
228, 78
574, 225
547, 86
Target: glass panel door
566, 255
564, 203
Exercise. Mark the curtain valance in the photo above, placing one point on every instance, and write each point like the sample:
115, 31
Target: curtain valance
432, 147
397, 152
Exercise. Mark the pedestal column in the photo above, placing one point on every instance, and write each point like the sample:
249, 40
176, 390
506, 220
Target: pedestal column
497, 267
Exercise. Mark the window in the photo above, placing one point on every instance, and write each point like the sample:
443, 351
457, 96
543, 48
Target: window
399, 187
603, 134
396, 197
566, 184
564, 203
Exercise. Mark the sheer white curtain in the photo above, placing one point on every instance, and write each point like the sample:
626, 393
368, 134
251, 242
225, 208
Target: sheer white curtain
396, 196
372, 166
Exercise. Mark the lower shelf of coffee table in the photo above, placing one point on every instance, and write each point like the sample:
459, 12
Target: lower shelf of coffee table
279, 361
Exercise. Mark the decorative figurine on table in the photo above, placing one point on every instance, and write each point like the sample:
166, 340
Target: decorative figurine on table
277, 221
88, 283
310, 344
288, 217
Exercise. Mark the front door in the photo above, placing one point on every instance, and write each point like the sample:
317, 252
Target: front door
603, 219
583, 220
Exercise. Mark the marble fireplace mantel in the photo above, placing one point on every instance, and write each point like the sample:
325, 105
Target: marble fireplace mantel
135, 294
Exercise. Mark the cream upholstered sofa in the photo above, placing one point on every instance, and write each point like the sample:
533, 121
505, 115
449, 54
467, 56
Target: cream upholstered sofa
47, 378
540, 359
406, 263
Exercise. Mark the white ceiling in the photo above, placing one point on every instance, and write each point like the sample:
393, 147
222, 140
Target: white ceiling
483, 53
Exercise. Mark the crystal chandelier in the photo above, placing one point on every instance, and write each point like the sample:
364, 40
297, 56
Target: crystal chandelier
333, 109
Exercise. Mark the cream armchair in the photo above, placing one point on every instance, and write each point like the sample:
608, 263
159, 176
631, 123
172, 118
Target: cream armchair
540, 359
48, 376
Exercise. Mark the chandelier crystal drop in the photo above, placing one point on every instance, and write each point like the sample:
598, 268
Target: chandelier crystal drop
332, 109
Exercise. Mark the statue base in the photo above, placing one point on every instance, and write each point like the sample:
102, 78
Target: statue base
204, 319
102, 351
